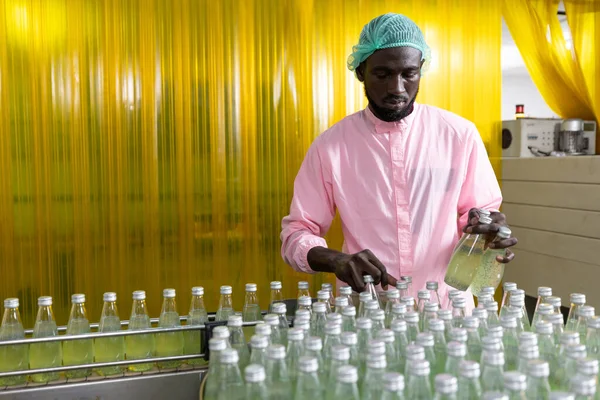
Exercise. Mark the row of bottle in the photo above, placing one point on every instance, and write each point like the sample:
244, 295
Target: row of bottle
473, 265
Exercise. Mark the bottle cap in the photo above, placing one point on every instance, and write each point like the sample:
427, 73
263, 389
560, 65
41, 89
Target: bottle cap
347, 374
308, 364
226, 289
254, 373
323, 295
493, 358
340, 353
575, 351
494, 396
515, 381
302, 323
263, 329
378, 315
561, 396
393, 382
487, 290
424, 294
314, 343
593, 322
432, 307
567, 338
363, 323
406, 278
436, 325
480, 313
345, 290
393, 293
368, 279
545, 309
279, 308
408, 300
469, 369
371, 305
411, 317
419, 368
376, 360
78, 298
459, 302
538, 368
577, 298
445, 315
414, 352
169, 293
259, 342
229, 356
13, 302
471, 322
275, 285
528, 339
303, 285
276, 352
305, 301
586, 311
319, 307
365, 296
508, 322
543, 328
139, 295
327, 286
554, 301
271, 319
485, 219
496, 331
515, 312
387, 336
402, 285
221, 332
587, 366
217, 344
341, 302
109, 296
517, 301
544, 291
398, 308
399, 325
491, 307
457, 349
508, 286
349, 311
483, 298
453, 293
349, 338
197, 291
250, 287
490, 343
529, 351
376, 346
431, 285
333, 328
504, 232
234, 321
334, 317
424, 339
446, 384
458, 335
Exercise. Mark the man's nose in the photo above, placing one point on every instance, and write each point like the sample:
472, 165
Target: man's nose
396, 85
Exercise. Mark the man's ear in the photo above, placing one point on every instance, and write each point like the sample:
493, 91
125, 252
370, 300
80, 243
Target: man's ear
360, 72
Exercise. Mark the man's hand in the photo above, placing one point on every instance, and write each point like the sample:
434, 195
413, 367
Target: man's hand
350, 268
490, 231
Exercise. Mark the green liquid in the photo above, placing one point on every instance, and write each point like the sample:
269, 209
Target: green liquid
77, 352
192, 340
13, 358
489, 273
139, 346
171, 343
109, 350
45, 355
463, 265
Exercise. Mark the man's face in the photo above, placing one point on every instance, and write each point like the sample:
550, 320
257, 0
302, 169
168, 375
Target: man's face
391, 78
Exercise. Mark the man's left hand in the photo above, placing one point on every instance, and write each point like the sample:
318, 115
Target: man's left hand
490, 231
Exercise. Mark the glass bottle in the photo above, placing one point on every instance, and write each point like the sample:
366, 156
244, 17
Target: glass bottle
430, 313
341, 302
280, 309
393, 298
370, 307
483, 299
340, 356
328, 287
304, 303
393, 386
313, 347
466, 258
592, 340
510, 342
412, 325
264, 329
346, 387
584, 387
408, 279
507, 287
273, 321
309, 385
370, 288
561, 396
546, 345
319, 319
469, 386
222, 332
452, 294
543, 294
400, 341
446, 316
498, 332
331, 339
515, 384
251, 311
349, 319
528, 339
398, 311
371, 388
543, 311
112, 348
346, 291
402, 286
169, 343
139, 346
482, 315
192, 343
350, 340
78, 351
303, 290
494, 396
363, 298
423, 297
413, 353
434, 296
490, 344
225, 304
255, 382
237, 340
446, 387
456, 353
492, 376
436, 327
584, 315
278, 379
487, 291
211, 387
276, 295
473, 339
258, 349
392, 357
378, 318
459, 335
323, 297
363, 331
492, 311
518, 302
527, 352
577, 300
557, 321
489, 273
409, 301
231, 384
419, 385
15, 357
537, 380
458, 311
555, 302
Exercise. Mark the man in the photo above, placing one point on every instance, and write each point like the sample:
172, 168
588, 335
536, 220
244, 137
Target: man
398, 172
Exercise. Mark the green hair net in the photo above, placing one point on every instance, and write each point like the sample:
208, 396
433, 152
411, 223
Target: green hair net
388, 30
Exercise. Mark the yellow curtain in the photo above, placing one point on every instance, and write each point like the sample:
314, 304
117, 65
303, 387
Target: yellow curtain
567, 80
147, 144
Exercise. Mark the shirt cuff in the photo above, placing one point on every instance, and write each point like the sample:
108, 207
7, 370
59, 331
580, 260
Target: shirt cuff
300, 256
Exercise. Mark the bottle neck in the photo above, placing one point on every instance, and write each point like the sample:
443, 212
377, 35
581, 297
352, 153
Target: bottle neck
276, 295
11, 316
45, 314
251, 299
169, 305
139, 308
110, 309
78, 311
303, 292
197, 303
226, 301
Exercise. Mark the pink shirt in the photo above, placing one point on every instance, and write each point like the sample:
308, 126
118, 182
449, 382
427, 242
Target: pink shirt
403, 190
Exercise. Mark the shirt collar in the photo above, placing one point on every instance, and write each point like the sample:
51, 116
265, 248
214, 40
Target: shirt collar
391, 127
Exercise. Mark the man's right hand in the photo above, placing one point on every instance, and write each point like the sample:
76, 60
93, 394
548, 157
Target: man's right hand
350, 268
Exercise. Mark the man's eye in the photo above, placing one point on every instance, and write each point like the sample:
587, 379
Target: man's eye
381, 75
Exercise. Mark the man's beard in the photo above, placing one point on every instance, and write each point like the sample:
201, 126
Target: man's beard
390, 115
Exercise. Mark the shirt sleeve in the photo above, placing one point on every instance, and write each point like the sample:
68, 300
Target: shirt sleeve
311, 212
480, 188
